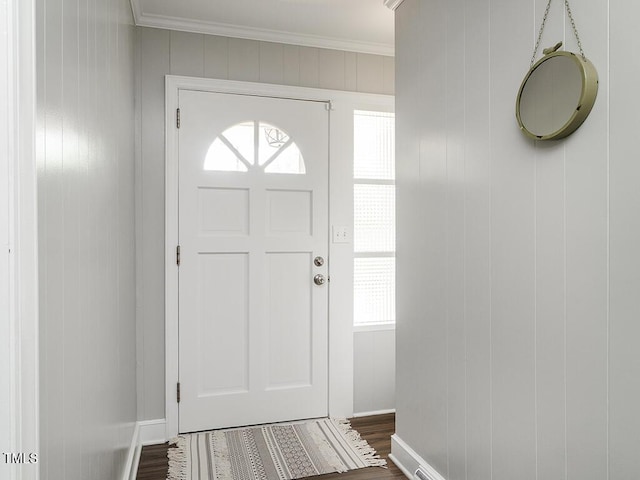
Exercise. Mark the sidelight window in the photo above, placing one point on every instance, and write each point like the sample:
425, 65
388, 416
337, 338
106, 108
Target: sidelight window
374, 218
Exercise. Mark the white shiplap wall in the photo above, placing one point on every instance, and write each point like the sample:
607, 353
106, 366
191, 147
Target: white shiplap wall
518, 264
164, 52
85, 155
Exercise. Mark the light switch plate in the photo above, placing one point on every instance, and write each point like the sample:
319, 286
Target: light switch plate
340, 234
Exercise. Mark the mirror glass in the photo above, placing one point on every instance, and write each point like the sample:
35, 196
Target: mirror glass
551, 95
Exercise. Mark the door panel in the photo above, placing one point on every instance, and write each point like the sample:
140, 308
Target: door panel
289, 318
230, 290
253, 214
223, 211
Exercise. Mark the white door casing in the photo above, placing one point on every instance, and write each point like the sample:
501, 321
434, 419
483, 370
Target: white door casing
253, 326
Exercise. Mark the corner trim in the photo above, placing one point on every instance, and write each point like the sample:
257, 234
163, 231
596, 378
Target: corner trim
18, 139
135, 11
133, 457
392, 4
407, 460
153, 432
260, 34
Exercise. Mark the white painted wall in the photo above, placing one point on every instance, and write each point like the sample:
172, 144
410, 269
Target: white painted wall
163, 52
374, 370
85, 151
517, 261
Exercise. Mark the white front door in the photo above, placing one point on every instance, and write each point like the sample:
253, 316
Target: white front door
253, 217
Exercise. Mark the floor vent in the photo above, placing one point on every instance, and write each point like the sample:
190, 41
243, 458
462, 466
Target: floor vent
422, 474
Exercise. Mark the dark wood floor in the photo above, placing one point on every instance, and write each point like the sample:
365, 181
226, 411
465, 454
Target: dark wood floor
377, 430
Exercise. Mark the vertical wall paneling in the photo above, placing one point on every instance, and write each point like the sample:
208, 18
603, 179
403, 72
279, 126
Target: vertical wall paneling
163, 52
291, 65
455, 239
85, 91
477, 171
550, 233
433, 195
51, 198
309, 75
550, 280
126, 78
624, 238
370, 73
587, 208
271, 62
72, 211
351, 72
512, 250
187, 54
154, 65
388, 74
409, 267
216, 56
331, 72
244, 60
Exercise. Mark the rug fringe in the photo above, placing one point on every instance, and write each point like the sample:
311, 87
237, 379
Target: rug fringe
370, 456
177, 459
327, 450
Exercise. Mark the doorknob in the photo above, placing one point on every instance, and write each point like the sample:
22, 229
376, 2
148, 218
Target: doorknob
318, 261
319, 279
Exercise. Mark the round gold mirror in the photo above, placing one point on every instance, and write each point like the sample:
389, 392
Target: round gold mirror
556, 96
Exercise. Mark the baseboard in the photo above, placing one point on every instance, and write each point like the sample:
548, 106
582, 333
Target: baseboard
408, 461
375, 412
153, 432
133, 457
149, 432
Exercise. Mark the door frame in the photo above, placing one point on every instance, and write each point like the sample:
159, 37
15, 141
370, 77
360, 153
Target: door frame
340, 401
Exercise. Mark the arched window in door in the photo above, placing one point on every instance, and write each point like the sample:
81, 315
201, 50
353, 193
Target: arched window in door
255, 145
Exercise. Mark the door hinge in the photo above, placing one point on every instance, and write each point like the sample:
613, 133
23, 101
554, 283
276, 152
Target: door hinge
328, 106
178, 118
178, 255
178, 392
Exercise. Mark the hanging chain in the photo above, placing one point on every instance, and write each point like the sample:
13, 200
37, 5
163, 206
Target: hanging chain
544, 21
575, 30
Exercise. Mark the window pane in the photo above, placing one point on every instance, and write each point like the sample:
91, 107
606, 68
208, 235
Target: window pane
241, 137
221, 158
374, 145
374, 293
374, 218
288, 161
270, 140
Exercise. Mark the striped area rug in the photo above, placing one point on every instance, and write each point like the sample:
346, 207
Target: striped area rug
271, 452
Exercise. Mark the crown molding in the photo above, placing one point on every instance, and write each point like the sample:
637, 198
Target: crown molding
250, 33
392, 4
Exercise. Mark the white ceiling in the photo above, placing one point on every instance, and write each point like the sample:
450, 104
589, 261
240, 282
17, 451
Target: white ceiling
354, 25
